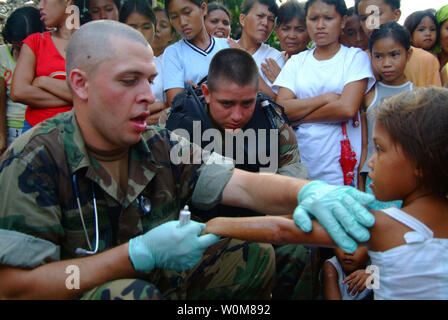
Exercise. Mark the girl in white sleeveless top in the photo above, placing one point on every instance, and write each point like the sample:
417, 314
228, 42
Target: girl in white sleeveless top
408, 247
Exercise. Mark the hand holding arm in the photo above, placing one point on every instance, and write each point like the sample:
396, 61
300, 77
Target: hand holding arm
171, 247
339, 209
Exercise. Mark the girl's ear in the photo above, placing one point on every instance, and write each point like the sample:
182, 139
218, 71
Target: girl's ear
204, 8
397, 15
343, 22
410, 53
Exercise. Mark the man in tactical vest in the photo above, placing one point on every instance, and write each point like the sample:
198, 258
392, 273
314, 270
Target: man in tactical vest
229, 116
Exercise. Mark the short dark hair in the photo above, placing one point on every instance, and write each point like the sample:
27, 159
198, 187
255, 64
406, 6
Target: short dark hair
234, 65
21, 23
217, 6
289, 10
196, 2
248, 4
393, 30
139, 6
418, 122
414, 19
340, 6
394, 4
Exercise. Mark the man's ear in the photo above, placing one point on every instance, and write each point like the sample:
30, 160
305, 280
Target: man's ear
79, 83
205, 92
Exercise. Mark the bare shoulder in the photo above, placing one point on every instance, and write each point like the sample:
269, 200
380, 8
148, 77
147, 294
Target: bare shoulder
387, 233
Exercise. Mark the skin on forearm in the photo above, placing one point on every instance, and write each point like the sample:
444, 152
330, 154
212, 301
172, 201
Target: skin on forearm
22, 89
171, 93
300, 108
271, 193
269, 229
49, 281
56, 87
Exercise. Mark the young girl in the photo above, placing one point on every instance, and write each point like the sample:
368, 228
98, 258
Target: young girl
139, 15
409, 247
20, 24
104, 9
39, 78
322, 89
422, 25
344, 276
188, 59
218, 20
390, 49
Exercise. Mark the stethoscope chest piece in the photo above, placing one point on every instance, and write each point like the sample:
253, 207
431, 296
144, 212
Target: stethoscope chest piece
145, 204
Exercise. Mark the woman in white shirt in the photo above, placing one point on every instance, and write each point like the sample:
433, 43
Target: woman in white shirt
322, 88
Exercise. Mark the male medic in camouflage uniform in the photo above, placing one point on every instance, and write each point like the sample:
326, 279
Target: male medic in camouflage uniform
100, 163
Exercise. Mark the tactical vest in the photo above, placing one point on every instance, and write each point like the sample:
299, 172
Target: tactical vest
190, 105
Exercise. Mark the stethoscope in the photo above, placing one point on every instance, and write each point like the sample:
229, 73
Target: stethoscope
144, 203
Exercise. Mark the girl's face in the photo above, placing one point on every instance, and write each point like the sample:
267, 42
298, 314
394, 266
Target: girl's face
324, 24
52, 12
293, 36
217, 23
164, 33
389, 60
353, 35
394, 176
187, 18
444, 37
352, 261
425, 35
142, 24
103, 9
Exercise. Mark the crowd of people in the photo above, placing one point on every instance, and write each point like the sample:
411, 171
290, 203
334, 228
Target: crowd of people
94, 119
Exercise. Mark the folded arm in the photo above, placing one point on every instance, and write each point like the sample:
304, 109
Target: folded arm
22, 88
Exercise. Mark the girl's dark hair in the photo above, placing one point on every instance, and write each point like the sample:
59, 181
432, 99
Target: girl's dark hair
248, 4
139, 6
394, 4
289, 10
196, 2
413, 20
217, 6
394, 30
418, 122
21, 23
340, 6
84, 14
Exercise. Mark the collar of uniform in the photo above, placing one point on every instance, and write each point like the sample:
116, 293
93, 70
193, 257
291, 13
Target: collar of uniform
142, 164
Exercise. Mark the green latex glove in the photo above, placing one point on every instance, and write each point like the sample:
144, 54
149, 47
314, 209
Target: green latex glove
170, 247
339, 209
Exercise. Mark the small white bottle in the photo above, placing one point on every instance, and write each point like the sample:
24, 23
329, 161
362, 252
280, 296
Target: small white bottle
184, 216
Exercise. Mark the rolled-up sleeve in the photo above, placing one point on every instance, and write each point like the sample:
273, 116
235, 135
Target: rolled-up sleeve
214, 176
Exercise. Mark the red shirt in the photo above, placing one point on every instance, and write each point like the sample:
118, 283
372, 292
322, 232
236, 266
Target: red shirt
50, 63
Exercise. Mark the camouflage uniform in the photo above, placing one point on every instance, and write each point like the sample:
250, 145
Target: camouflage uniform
40, 221
297, 267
